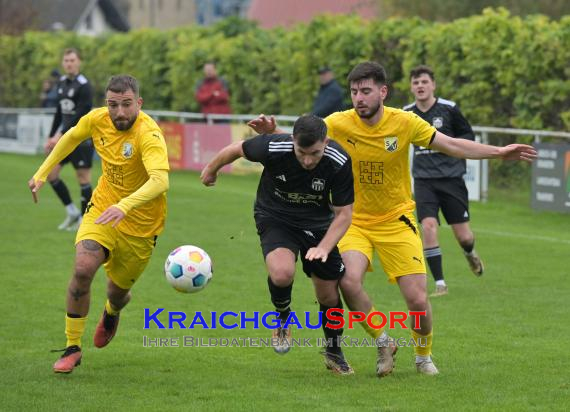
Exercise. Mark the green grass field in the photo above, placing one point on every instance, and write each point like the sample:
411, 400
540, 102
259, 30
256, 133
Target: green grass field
499, 340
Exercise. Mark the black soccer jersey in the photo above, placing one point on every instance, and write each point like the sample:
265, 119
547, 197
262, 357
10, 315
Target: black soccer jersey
75, 99
445, 116
296, 196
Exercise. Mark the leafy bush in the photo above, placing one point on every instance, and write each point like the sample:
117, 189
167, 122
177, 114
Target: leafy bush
502, 70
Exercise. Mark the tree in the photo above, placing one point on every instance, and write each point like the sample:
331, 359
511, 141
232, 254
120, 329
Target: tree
448, 10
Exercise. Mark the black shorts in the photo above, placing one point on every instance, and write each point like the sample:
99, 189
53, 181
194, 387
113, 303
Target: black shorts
449, 194
275, 234
82, 156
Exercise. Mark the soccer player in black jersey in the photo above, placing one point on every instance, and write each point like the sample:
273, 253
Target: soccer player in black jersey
438, 178
303, 207
377, 138
75, 99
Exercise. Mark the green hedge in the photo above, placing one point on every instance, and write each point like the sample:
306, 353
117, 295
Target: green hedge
503, 70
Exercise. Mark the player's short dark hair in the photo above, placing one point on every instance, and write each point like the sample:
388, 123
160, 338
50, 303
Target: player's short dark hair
368, 70
309, 129
421, 69
71, 50
121, 83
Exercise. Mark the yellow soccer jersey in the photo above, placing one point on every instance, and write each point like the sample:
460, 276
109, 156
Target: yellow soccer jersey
380, 160
125, 158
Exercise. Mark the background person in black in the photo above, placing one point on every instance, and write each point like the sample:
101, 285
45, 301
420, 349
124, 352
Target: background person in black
330, 98
438, 178
303, 206
75, 99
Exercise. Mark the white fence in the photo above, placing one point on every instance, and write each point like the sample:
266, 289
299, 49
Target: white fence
25, 130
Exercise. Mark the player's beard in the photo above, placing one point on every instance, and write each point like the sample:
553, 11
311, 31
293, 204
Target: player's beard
370, 113
124, 124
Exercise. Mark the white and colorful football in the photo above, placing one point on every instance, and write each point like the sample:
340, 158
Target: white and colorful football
188, 269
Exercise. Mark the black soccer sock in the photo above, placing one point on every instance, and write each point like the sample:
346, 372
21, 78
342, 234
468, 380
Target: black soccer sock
434, 260
281, 298
86, 192
61, 191
332, 335
468, 247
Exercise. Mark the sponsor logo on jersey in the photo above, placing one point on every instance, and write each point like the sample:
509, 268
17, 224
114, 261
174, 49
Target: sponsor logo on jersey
281, 177
437, 122
391, 143
127, 150
67, 106
318, 185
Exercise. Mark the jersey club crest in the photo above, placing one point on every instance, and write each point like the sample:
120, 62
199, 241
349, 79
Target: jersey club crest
391, 143
127, 150
437, 122
318, 185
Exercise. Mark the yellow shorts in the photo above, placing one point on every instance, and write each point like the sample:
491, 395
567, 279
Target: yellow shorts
397, 242
128, 255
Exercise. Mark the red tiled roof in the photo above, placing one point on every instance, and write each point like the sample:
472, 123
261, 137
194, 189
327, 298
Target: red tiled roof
272, 13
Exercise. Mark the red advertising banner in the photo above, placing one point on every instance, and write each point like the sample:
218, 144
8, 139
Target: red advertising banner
192, 145
174, 137
202, 142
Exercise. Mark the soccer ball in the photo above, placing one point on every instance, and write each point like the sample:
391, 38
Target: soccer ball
188, 269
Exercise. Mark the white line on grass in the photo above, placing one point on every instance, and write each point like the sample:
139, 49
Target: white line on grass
520, 235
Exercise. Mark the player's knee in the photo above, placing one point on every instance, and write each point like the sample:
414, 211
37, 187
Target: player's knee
350, 286
429, 227
418, 302
83, 275
282, 276
329, 300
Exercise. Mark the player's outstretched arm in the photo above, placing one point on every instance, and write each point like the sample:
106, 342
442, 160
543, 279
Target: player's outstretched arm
265, 125
466, 149
65, 145
225, 156
337, 229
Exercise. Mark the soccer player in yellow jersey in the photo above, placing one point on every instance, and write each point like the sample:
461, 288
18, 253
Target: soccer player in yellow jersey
378, 138
126, 212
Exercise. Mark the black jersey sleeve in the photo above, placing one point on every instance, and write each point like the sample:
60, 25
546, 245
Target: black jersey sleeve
56, 120
256, 148
342, 188
461, 127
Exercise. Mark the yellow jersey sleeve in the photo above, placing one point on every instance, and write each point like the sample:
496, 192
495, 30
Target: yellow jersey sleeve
66, 144
422, 132
332, 121
156, 184
153, 149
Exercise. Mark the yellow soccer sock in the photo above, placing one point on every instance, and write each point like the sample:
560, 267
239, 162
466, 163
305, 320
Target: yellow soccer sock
74, 328
376, 320
110, 309
423, 343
